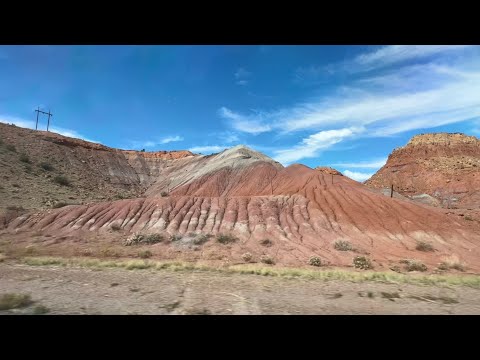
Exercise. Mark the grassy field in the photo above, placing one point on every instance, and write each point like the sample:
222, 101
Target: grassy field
321, 274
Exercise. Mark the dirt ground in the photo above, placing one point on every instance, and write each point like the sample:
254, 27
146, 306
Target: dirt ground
118, 291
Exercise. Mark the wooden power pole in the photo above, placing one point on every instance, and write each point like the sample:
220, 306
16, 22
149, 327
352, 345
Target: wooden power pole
38, 111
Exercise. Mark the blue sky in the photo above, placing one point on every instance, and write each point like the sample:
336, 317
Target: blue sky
342, 106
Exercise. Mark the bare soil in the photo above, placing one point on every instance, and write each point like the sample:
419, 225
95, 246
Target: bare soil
118, 291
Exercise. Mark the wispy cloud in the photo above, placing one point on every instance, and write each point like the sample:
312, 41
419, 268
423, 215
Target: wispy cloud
55, 129
373, 164
207, 149
311, 146
242, 76
248, 124
392, 54
358, 176
170, 139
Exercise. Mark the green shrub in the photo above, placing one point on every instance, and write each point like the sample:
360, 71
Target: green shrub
175, 237
266, 242
315, 261
24, 158
14, 301
226, 238
424, 246
61, 180
46, 166
163, 194
153, 238
342, 245
267, 259
40, 310
362, 262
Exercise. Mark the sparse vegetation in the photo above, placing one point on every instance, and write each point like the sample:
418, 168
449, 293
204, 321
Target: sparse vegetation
390, 296
315, 261
226, 238
175, 237
116, 227
444, 299
370, 295
15, 208
145, 254
414, 265
362, 262
266, 242
247, 257
202, 239
61, 180
342, 245
119, 197
452, 262
163, 194
40, 310
46, 166
136, 239
15, 185
424, 246
11, 147
153, 238
24, 158
334, 274
468, 217
14, 301
267, 259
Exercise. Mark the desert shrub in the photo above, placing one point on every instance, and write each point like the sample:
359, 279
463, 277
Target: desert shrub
15, 208
468, 217
119, 197
414, 265
40, 310
163, 194
145, 254
134, 239
424, 246
266, 242
226, 238
452, 262
247, 257
11, 147
362, 262
315, 261
175, 237
153, 238
28, 168
61, 180
15, 185
267, 259
143, 150
14, 301
24, 158
115, 227
202, 239
342, 245
46, 166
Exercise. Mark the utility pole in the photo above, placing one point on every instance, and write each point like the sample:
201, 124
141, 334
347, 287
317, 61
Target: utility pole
391, 191
49, 114
38, 112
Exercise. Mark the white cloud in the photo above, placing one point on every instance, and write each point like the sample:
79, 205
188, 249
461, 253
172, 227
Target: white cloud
249, 124
30, 124
242, 82
357, 176
241, 73
312, 145
171, 139
207, 149
397, 53
373, 164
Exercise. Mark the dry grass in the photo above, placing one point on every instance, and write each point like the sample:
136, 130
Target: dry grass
424, 246
414, 265
14, 301
452, 262
323, 274
342, 245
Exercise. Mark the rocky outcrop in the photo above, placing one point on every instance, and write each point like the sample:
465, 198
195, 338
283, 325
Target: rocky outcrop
443, 166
